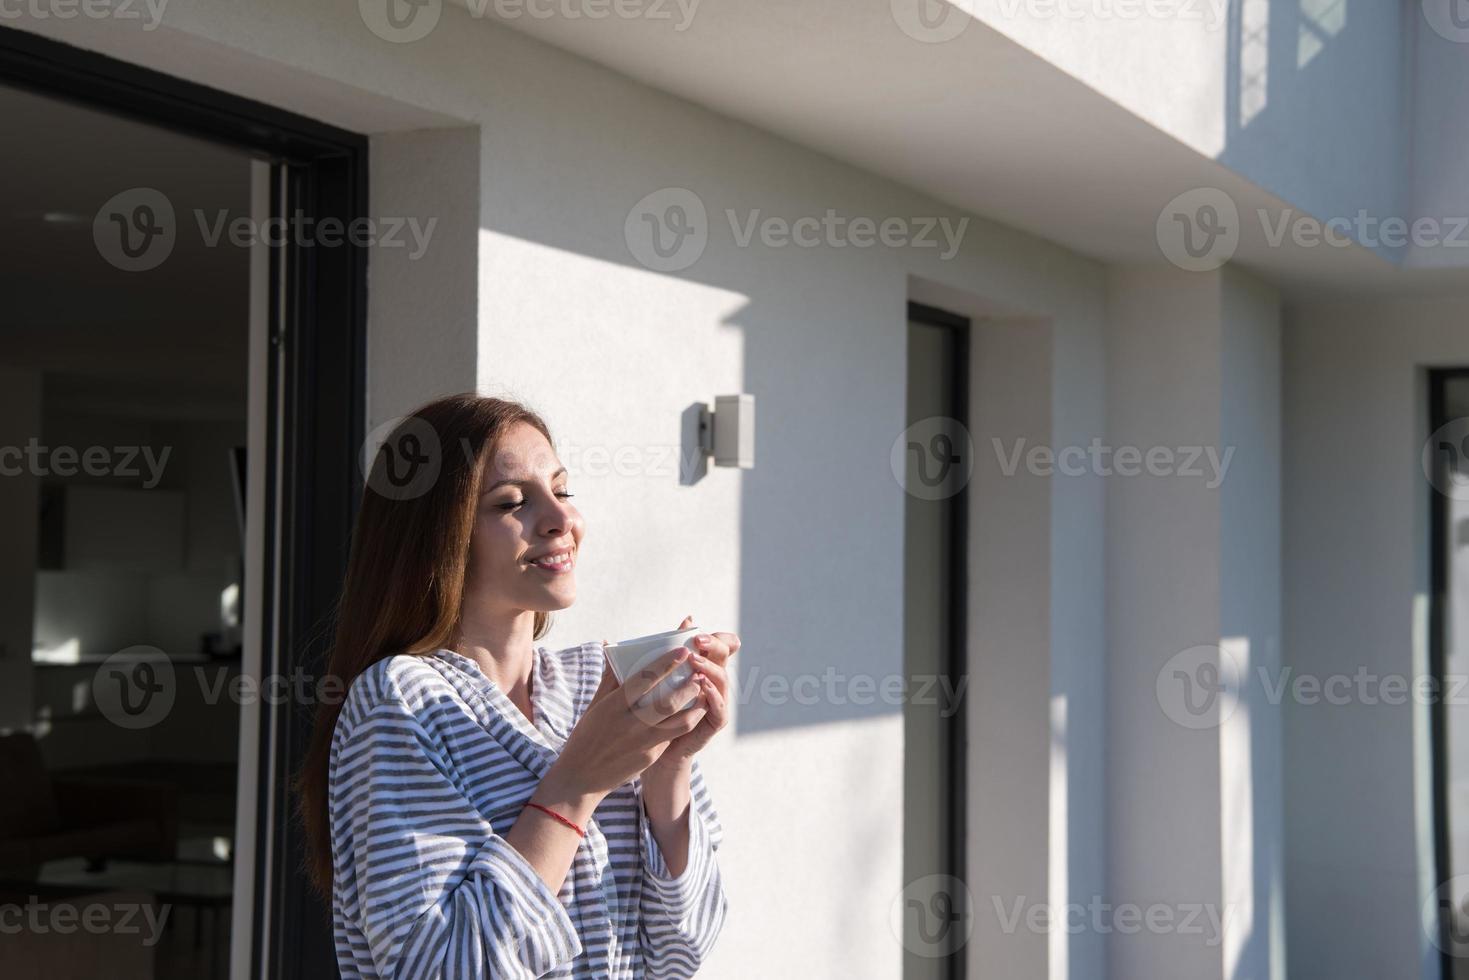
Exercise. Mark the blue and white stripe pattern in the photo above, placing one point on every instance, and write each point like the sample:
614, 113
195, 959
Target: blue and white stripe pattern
430, 762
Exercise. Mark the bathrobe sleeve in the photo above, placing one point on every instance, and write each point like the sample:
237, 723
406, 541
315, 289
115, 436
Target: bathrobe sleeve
682, 916
438, 891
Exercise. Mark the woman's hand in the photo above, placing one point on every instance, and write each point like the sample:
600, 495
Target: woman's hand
619, 735
712, 675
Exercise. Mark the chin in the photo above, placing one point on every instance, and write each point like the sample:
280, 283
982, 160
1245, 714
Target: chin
558, 599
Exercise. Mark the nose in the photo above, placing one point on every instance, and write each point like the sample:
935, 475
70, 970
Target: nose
559, 519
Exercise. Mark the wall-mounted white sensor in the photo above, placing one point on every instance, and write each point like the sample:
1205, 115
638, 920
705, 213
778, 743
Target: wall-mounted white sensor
728, 432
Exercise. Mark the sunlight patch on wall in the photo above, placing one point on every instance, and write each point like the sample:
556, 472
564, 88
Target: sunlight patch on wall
1321, 20
1237, 817
1254, 58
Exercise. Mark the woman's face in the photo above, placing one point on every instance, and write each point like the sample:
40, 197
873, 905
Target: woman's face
527, 535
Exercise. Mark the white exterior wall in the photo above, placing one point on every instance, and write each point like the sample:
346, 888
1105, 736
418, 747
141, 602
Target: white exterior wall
802, 555
1358, 804
1080, 787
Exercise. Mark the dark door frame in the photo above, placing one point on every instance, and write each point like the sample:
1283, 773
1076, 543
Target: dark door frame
316, 385
957, 662
1437, 645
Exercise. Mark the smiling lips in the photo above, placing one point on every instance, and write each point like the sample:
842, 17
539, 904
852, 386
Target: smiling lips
558, 562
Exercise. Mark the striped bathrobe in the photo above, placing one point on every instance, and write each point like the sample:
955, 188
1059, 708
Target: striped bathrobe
430, 763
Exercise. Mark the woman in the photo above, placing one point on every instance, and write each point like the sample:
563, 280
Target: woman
479, 806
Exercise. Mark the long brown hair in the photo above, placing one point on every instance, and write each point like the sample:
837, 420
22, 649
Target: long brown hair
405, 575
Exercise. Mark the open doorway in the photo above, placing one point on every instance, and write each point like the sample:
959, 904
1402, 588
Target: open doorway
124, 396
182, 380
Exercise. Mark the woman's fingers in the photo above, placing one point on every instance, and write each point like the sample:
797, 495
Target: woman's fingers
716, 706
717, 674
718, 646
645, 678
681, 722
651, 696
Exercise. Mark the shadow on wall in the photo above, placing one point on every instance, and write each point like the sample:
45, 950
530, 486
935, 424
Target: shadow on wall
1292, 65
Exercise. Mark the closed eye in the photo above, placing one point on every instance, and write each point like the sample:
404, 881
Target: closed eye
511, 505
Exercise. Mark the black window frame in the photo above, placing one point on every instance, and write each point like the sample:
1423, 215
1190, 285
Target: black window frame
1437, 646
957, 662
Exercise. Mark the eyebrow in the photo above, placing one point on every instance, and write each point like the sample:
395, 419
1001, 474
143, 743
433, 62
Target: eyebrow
500, 483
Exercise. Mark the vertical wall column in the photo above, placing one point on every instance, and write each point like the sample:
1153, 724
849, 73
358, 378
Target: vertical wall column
1193, 570
1009, 706
423, 320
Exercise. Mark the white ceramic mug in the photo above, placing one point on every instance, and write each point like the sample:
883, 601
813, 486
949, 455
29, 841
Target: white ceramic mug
629, 656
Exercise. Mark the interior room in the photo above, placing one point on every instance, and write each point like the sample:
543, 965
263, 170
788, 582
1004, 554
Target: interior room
123, 381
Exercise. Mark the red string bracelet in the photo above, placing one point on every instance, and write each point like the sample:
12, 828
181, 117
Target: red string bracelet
559, 817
